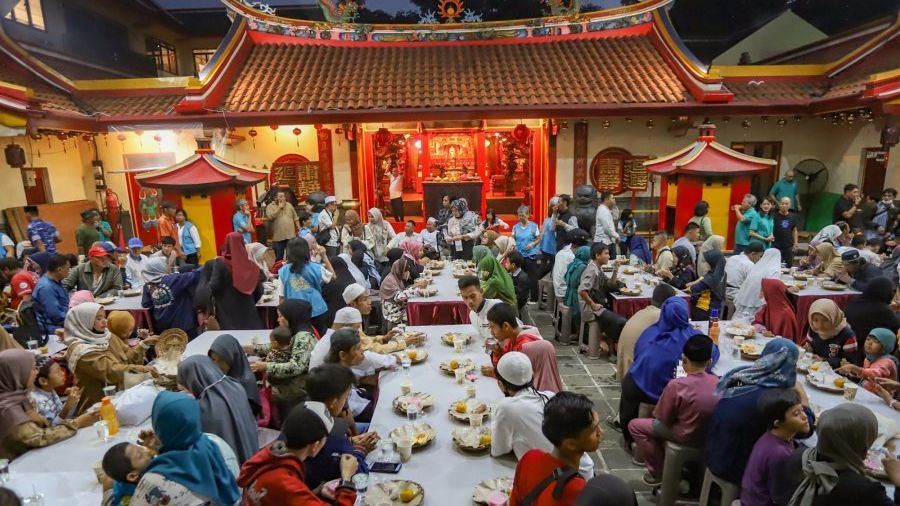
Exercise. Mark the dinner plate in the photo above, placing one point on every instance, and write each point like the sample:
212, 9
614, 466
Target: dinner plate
466, 364
421, 434
472, 406
389, 492
473, 439
740, 331
424, 401
105, 301
421, 355
631, 292
834, 287
132, 293
751, 351
827, 384
448, 337
427, 292
486, 487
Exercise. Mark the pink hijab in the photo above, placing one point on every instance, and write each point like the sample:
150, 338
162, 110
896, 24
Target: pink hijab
412, 248
80, 297
543, 361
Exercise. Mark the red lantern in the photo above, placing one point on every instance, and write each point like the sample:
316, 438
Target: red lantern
158, 139
253, 133
520, 133
62, 136
86, 137
274, 132
121, 137
383, 136
296, 131
317, 126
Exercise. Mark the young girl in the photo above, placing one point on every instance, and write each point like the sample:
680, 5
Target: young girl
762, 484
47, 403
830, 337
879, 362
626, 227
492, 222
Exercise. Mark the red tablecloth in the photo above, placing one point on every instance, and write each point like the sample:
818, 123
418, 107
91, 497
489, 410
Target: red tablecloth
804, 301
437, 313
142, 319
627, 306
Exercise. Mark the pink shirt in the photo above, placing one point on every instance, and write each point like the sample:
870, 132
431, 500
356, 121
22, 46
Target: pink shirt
686, 404
884, 367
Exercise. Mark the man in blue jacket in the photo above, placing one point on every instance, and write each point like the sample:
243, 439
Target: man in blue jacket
51, 299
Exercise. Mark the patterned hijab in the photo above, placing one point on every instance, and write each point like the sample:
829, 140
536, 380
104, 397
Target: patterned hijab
713, 243
776, 368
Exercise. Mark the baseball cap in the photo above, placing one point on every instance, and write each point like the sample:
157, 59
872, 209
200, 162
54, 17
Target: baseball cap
352, 292
135, 242
97, 252
329, 199
346, 315
110, 247
515, 368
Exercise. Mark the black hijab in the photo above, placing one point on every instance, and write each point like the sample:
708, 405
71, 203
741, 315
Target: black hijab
229, 350
298, 314
715, 277
872, 309
392, 255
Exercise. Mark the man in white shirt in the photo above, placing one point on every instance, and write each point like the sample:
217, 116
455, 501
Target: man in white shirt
326, 221
429, 236
134, 263
473, 296
518, 417
351, 318
738, 266
396, 192
690, 237
565, 257
605, 227
409, 233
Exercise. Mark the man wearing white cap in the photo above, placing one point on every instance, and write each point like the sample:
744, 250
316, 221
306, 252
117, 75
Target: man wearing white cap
376, 354
326, 222
518, 417
357, 297
431, 235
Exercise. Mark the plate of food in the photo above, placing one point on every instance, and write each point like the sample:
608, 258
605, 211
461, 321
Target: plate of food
489, 489
436, 265
422, 282
449, 337
607, 268
804, 363
631, 292
427, 292
473, 439
630, 270
421, 434
450, 366
132, 292
416, 356
751, 351
834, 287
395, 493
740, 329
105, 301
421, 399
827, 381
267, 297
459, 273
460, 410
799, 276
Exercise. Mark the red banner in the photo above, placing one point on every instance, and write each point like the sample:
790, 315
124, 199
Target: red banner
579, 177
326, 161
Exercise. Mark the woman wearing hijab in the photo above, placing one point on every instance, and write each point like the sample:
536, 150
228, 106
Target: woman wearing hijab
573, 280
873, 308
833, 472
829, 234
413, 249
358, 276
378, 233
682, 272
393, 255
495, 281
542, 354
304, 279
505, 245
830, 337
489, 241
170, 297
91, 358
224, 410
708, 292
21, 428
191, 467
333, 291
226, 352
257, 253
831, 265
712, 243
121, 327
353, 229
639, 249
777, 316
749, 297
395, 291
236, 283
737, 421
656, 355
80, 297
462, 230
365, 262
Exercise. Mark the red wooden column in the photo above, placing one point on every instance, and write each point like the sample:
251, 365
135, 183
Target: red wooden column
663, 200
579, 174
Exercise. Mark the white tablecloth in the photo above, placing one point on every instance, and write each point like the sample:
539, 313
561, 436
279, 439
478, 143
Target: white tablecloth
447, 285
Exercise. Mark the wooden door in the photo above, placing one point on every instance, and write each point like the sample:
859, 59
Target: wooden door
762, 181
874, 162
34, 180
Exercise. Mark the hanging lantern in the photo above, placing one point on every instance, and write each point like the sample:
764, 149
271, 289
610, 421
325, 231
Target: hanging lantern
140, 135
105, 139
158, 139
746, 123
274, 132
649, 123
520, 133
296, 131
781, 122
383, 137
317, 126
253, 133
62, 136
86, 137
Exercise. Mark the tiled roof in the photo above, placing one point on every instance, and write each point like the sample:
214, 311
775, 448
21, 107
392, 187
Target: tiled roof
773, 90
585, 71
50, 98
853, 80
134, 106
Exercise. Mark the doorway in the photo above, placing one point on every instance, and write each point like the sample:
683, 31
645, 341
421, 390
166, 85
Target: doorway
874, 165
762, 182
34, 180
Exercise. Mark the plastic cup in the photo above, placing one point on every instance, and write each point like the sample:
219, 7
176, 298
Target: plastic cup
475, 419
470, 391
850, 389
32, 345
459, 344
412, 412
406, 388
102, 429
404, 448
460, 374
738, 342
497, 498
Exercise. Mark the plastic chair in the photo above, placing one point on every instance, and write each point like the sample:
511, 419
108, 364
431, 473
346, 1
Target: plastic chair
563, 324
676, 457
546, 294
730, 491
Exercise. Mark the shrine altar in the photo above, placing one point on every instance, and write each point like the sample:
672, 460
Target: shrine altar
435, 190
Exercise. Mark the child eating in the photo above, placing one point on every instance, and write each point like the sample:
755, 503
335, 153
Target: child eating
288, 389
879, 362
47, 403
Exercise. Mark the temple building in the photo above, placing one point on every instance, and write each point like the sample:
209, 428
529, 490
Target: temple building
504, 113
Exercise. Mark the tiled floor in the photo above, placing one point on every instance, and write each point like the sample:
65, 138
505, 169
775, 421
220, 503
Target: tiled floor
596, 379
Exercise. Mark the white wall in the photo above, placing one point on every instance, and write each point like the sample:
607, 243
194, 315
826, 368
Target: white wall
69, 176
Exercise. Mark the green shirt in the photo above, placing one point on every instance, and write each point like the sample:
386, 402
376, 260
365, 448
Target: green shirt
85, 236
742, 229
782, 188
763, 226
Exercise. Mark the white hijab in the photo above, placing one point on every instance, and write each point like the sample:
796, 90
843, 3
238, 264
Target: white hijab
79, 331
749, 298
354, 271
830, 233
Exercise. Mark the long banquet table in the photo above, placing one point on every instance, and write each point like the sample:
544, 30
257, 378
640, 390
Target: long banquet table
444, 308
627, 305
143, 319
806, 296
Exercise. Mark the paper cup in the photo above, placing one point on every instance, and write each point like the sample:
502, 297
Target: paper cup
475, 419
460, 374
406, 388
850, 389
404, 448
470, 391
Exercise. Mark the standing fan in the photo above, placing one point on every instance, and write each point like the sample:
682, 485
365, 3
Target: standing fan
812, 176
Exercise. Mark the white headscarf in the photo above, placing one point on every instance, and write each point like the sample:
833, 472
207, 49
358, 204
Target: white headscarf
155, 269
749, 298
354, 271
79, 331
830, 233
257, 253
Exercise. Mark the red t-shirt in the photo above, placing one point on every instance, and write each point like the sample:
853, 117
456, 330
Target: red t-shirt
525, 337
535, 467
22, 284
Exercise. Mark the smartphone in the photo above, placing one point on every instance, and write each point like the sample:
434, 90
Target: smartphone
386, 467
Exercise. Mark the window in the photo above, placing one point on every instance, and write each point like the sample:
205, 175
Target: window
28, 12
163, 55
201, 58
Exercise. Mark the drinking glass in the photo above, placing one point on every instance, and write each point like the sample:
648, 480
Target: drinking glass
412, 412
405, 364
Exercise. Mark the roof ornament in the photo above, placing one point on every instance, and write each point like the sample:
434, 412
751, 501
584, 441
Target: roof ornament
259, 6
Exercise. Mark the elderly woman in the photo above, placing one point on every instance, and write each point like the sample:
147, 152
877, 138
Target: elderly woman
377, 234
257, 253
93, 356
462, 230
527, 235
